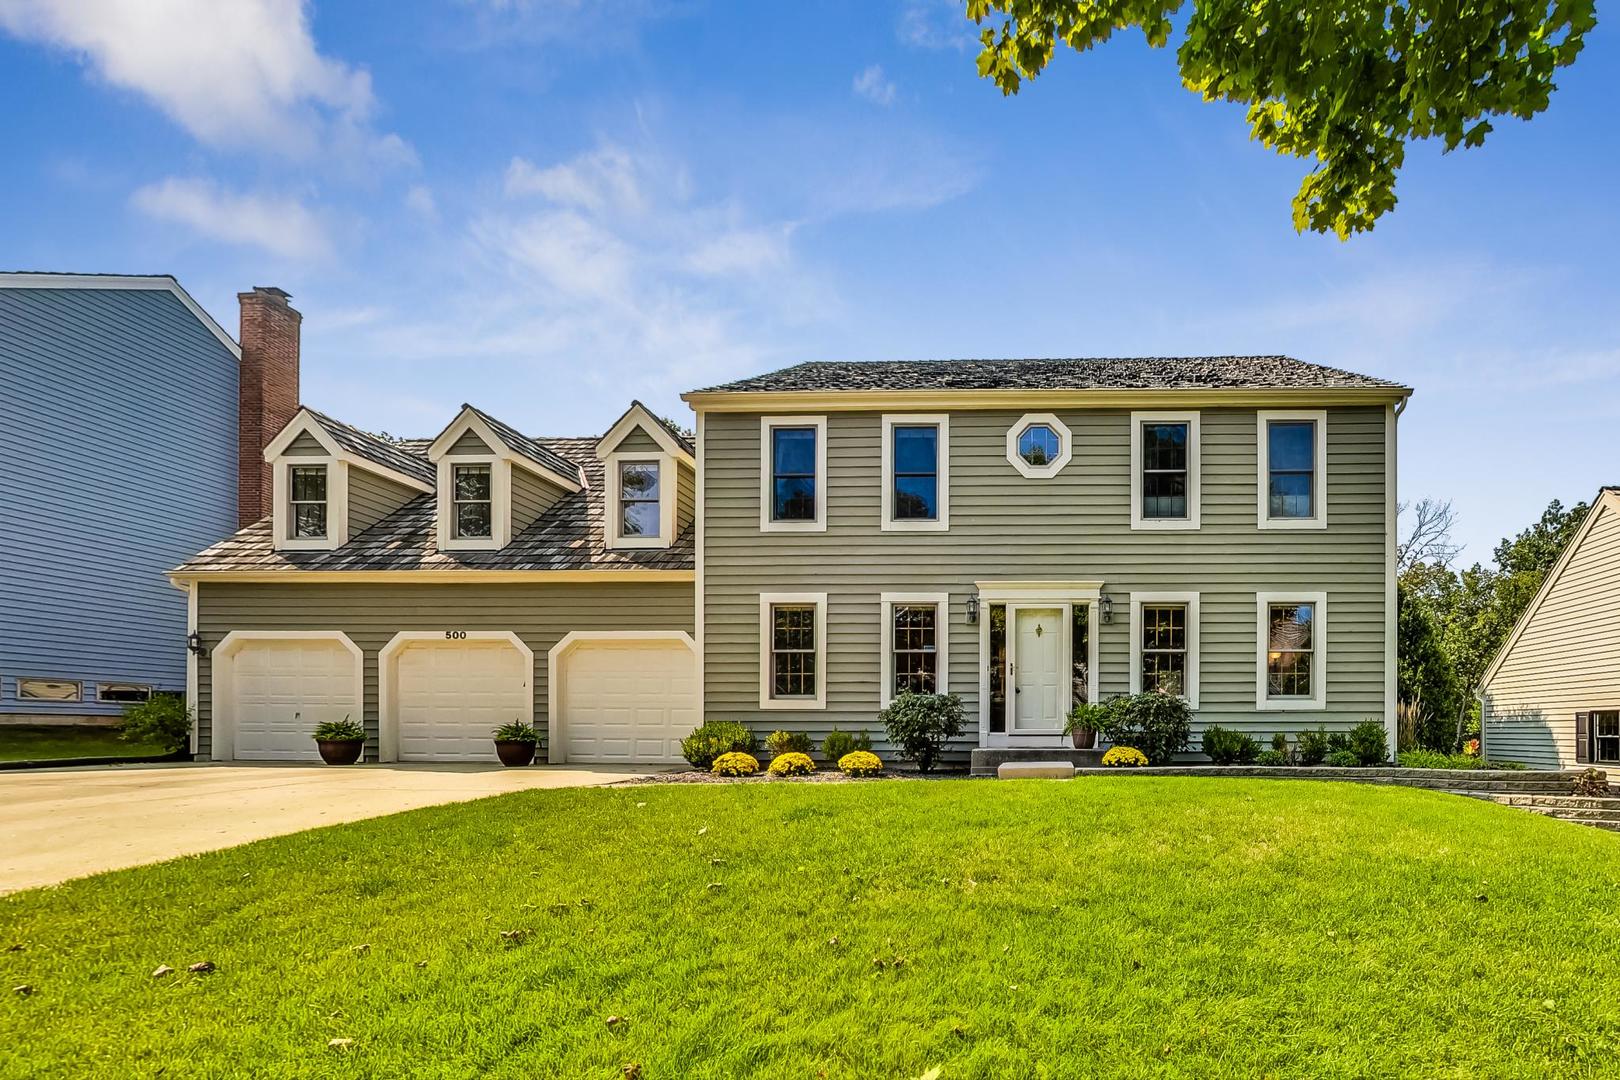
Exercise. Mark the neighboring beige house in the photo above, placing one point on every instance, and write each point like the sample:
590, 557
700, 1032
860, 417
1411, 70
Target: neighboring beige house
1026, 534
1551, 698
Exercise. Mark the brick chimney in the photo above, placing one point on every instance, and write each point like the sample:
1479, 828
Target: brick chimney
268, 397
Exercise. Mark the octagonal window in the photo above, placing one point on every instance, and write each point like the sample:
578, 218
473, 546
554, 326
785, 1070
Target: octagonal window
1039, 445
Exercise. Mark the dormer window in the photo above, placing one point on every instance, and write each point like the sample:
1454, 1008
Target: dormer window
474, 502
308, 506
639, 498
648, 475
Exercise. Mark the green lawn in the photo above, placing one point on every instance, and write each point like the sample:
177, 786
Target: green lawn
21, 743
1133, 927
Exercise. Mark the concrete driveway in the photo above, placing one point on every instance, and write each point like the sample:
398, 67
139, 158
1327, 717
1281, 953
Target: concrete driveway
57, 824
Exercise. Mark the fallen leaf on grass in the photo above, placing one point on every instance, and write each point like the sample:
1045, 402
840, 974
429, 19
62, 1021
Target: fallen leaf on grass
514, 937
202, 967
931, 1074
703, 830
16, 947
615, 1021
162, 970
22, 991
421, 963
339, 1044
632, 1070
361, 949
717, 885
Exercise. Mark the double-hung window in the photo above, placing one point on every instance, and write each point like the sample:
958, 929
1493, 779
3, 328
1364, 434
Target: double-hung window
1164, 470
793, 646
1292, 474
640, 513
1606, 737
307, 498
914, 644
915, 478
1291, 629
472, 502
793, 467
1164, 644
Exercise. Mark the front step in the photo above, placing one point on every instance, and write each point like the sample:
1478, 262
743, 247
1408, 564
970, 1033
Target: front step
1599, 811
985, 761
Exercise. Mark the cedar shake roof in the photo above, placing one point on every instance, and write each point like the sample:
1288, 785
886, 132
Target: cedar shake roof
1103, 373
378, 451
533, 449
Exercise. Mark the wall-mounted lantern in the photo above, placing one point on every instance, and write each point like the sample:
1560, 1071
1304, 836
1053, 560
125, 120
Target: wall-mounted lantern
194, 643
973, 607
1106, 603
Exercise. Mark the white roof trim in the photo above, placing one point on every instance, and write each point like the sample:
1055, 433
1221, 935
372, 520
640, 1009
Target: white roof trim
638, 415
1607, 499
158, 282
468, 419
303, 421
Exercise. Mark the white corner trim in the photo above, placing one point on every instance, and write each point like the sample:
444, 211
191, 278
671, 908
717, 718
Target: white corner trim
302, 423
557, 674
697, 564
1149, 599
668, 489
1319, 481
1319, 650
766, 602
942, 651
942, 467
1392, 727
766, 423
192, 683
1065, 445
1195, 453
222, 669
388, 677
337, 504
500, 503
121, 282
638, 416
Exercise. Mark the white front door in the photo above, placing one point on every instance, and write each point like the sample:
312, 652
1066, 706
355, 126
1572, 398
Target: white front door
453, 694
1038, 670
628, 701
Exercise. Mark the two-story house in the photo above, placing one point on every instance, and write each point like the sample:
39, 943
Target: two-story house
1026, 534
124, 411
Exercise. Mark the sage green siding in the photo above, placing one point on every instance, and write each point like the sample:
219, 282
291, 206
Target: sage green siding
1566, 658
637, 441
531, 497
470, 443
685, 497
305, 445
1075, 526
373, 497
371, 615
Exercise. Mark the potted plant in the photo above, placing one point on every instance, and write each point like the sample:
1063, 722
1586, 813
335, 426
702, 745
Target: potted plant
1085, 720
341, 742
515, 743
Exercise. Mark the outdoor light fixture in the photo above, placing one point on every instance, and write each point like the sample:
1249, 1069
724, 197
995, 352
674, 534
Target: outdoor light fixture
973, 608
1106, 602
194, 643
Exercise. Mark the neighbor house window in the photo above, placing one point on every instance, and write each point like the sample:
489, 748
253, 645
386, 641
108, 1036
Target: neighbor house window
48, 690
123, 692
1606, 736
793, 646
1291, 628
1164, 470
308, 503
472, 507
1164, 648
793, 474
639, 510
915, 481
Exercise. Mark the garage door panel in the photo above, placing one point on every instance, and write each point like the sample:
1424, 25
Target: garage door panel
283, 689
453, 694
628, 701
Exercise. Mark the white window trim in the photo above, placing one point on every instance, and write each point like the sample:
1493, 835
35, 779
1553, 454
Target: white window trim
1319, 639
766, 602
1065, 446
1153, 599
667, 477
766, 423
1319, 479
638, 416
1195, 450
942, 521
337, 503
942, 652
500, 503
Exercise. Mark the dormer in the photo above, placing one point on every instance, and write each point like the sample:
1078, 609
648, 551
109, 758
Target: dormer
493, 481
649, 477
331, 481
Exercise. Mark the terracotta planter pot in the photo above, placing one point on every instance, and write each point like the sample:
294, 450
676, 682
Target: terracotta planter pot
515, 753
1084, 739
341, 751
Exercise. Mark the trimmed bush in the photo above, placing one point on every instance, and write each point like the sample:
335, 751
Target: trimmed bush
1370, 742
792, 763
1313, 747
781, 742
163, 719
1271, 758
715, 738
1279, 742
1342, 759
735, 763
1124, 756
1434, 759
1157, 724
838, 743
921, 724
861, 763
1226, 747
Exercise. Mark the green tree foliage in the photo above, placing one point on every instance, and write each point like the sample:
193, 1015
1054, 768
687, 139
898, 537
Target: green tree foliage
1426, 677
1345, 84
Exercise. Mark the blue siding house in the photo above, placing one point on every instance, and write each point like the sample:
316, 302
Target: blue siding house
119, 441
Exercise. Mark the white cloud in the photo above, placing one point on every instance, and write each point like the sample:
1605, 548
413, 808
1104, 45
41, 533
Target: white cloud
937, 24
277, 224
605, 178
871, 85
419, 201
742, 251
243, 73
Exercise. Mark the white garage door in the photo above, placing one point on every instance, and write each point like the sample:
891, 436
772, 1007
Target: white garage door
452, 694
283, 689
628, 701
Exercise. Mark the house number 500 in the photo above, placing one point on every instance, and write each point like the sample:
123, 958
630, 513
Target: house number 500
456, 635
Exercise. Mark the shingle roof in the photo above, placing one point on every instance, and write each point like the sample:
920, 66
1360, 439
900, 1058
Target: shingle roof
1121, 373
379, 451
532, 449
568, 536
674, 432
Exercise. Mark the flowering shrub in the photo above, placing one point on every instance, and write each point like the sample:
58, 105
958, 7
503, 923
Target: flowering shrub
735, 763
1125, 755
860, 763
792, 764
1471, 748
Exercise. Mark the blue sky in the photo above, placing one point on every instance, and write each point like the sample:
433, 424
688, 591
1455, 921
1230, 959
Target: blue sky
547, 207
